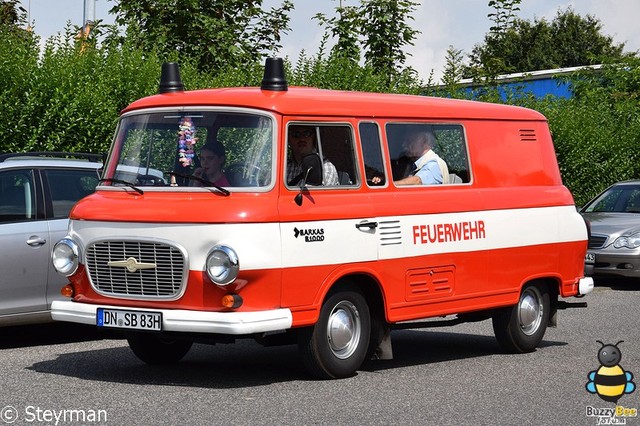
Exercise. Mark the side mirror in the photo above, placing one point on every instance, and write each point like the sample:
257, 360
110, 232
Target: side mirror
312, 169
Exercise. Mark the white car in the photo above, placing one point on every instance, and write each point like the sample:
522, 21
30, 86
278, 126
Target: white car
37, 192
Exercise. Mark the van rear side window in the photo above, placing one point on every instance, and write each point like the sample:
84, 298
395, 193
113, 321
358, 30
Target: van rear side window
437, 151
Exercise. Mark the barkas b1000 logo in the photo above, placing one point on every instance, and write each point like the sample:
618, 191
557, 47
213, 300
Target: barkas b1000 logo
610, 381
309, 234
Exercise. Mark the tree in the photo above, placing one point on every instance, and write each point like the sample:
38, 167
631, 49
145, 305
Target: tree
380, 27
11, 13
454, 67
568, 41
346, 28
504, 14
217, 34
386, 32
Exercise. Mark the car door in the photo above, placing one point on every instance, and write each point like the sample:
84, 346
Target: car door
64, 187
323, 226
25, 245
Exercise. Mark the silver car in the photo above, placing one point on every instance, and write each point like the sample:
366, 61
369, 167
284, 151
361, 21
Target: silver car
614, 243
36, 195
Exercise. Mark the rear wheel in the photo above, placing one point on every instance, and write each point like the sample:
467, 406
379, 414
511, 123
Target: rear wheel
157, 350
337, 344
520, 328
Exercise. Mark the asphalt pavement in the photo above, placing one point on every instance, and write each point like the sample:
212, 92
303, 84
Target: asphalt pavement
62, 374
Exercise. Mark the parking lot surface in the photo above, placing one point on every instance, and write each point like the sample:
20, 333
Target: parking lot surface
64, 374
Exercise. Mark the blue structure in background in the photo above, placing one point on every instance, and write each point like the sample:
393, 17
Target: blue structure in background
536, 83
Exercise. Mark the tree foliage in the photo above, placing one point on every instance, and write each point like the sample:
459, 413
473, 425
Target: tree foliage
377, 29
218, 34
504, 14
569, 40
12, 14
453, 70
68, 96
346, 29
387, 32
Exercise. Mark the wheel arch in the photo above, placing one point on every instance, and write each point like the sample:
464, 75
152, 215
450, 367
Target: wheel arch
368, 285
552, 284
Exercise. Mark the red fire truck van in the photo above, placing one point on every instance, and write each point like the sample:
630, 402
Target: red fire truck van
299, 215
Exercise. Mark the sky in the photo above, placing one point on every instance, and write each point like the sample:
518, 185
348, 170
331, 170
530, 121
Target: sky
442, 23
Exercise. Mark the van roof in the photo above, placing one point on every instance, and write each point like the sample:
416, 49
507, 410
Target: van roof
332, 103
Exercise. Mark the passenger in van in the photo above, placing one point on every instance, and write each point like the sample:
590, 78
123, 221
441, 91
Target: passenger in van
302, 141
212, 158
429, 167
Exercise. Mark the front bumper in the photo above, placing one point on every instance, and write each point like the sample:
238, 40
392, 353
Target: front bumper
607, 263
177, 320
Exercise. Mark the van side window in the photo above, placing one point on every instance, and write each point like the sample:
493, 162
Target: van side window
415, 147
372, 153
334, 145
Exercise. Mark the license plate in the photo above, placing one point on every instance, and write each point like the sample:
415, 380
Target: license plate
590, 258
134, 320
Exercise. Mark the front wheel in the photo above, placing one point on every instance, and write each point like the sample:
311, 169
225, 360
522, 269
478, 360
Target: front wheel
336, 346
520, 328
158, 350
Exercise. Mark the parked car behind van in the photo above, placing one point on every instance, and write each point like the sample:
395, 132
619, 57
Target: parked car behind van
614, 244
37, 191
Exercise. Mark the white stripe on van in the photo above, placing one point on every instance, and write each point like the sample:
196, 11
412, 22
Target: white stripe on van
295, 244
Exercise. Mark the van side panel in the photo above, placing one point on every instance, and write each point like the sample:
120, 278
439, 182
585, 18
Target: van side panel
511, 154
448, 249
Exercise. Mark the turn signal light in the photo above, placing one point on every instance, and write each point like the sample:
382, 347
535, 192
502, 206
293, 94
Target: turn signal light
67, 291
231, 301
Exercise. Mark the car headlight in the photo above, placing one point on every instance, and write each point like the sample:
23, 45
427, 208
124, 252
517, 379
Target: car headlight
632, 241
65, 256
222, 265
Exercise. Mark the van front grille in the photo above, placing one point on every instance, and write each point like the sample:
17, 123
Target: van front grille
142, 270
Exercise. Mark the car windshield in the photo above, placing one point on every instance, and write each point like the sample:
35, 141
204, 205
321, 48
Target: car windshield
210, 148
617, 199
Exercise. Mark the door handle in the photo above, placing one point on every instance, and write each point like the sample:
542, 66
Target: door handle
367, 225
36, 241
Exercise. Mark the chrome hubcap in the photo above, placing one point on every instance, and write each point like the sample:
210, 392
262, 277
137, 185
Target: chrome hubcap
530, 311
343, 331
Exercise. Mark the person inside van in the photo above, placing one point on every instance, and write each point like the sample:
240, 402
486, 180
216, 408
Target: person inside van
302, 141
212, 158
429, 167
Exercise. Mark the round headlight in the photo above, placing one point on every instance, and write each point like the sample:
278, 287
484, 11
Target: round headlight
65, 256
222, 265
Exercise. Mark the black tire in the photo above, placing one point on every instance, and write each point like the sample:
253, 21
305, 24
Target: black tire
520, 328
336, 346
157, 350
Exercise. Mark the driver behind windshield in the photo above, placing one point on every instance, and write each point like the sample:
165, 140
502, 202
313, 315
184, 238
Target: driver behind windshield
212, 158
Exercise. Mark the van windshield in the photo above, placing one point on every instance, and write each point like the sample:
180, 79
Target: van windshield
204, 148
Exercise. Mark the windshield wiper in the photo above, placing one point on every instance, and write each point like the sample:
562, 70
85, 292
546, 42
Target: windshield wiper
201, 180
125, 183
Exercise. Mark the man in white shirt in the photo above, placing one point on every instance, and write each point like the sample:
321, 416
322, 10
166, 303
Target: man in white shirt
429, 167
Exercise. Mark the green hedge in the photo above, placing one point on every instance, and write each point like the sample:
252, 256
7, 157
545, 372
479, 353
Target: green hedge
68, 98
